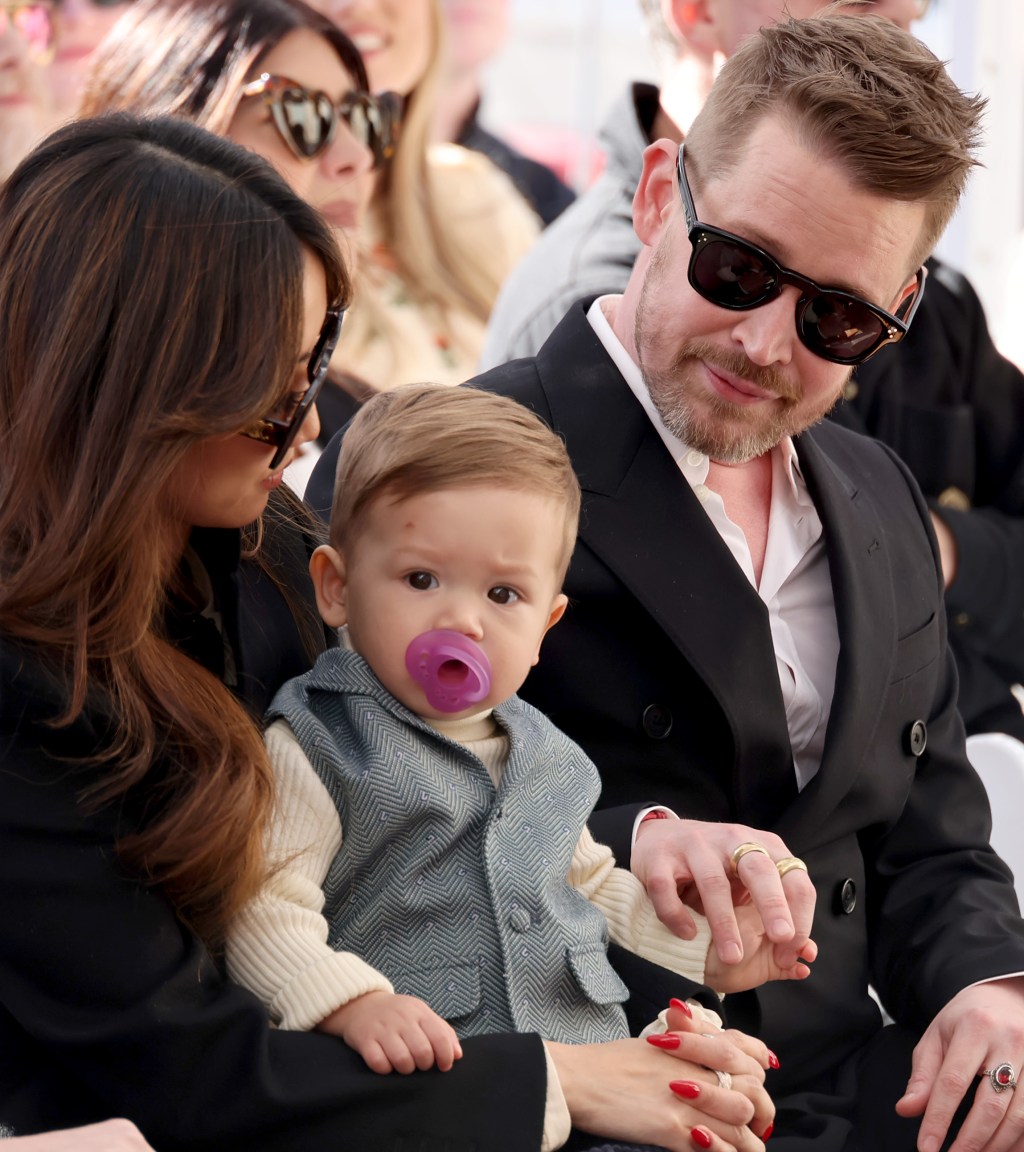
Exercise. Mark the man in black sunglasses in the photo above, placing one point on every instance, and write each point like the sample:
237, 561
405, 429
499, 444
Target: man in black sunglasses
756, 636
944, 398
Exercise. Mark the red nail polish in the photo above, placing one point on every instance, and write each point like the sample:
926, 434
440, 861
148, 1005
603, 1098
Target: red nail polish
767, 1133
701, 1138
682, 1006
686, 1088
773, 1060
664, 1040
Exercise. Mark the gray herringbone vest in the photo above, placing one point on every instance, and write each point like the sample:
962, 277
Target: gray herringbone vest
453, 890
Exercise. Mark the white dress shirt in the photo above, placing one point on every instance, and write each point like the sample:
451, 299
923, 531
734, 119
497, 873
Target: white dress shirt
795, 586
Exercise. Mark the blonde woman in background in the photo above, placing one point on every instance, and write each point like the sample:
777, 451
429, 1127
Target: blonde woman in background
445, 226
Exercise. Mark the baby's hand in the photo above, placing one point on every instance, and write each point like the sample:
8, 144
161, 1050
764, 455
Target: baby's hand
758, 965
394, 1033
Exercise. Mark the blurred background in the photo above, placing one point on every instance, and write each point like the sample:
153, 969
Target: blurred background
565, 61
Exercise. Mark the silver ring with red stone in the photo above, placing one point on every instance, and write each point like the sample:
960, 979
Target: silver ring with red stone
1001, 1077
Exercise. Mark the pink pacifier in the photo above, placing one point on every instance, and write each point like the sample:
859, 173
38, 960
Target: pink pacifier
452, 670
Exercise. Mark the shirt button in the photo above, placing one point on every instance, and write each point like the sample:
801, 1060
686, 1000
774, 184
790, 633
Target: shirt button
850, 390
702, 492
657, 721
694, 458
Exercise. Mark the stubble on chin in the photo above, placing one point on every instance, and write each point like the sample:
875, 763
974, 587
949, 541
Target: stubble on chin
725, 432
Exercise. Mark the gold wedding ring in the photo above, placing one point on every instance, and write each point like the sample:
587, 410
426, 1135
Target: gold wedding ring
790, 864
743, 849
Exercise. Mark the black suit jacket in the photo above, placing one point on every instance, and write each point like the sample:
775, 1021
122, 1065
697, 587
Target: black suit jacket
663, 669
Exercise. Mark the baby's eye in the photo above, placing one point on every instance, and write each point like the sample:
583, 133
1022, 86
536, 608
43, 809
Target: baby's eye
502, 594
421, 581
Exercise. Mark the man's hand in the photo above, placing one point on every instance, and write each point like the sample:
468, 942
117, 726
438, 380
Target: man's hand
393, 1032
683, 862
980, 1028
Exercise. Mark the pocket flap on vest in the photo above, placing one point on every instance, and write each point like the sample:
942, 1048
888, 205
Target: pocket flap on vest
595, 975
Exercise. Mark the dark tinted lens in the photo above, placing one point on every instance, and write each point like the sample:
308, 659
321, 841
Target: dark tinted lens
371, 120
842, 330
307, 117
731, 275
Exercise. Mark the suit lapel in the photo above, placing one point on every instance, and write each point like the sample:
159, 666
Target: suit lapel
642, 520
862, 587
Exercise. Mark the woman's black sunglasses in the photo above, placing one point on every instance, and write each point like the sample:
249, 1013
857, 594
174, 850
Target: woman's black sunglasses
307, 121
280, 432
735, 274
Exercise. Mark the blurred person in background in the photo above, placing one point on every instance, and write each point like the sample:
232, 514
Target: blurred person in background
312, 117
445, 226
26, 109
475, 32
949, 404
80, 26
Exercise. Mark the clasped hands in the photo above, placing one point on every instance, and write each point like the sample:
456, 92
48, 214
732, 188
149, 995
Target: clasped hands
760, 915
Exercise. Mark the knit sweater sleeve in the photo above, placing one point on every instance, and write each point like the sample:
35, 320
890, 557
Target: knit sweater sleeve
632, 921
277, 945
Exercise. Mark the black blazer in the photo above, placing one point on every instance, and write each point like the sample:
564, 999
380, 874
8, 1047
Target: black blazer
663, 670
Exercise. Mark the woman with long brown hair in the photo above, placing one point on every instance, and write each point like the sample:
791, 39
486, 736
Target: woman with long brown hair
167, 310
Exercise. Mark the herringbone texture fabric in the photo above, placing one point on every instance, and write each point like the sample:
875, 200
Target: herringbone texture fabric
454, 890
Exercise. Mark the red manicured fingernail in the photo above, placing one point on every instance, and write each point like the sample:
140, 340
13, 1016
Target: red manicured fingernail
773, 1060
768, 1132
664, 1040
701, 1138
685, 1088
682, 1006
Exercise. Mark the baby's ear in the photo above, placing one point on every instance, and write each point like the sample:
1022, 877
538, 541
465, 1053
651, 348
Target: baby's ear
558, 608
327, 570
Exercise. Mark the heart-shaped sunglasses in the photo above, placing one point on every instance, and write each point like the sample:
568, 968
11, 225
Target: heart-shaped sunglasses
307, 120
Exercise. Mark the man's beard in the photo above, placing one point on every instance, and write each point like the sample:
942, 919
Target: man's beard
701, 419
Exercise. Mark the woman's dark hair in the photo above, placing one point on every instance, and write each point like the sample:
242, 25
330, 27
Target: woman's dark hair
191, 58
151, 297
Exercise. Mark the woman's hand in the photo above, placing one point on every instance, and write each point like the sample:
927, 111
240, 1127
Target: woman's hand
620, 1090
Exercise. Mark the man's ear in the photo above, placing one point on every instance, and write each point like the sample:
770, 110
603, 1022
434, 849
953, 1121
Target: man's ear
558, 608
327, 571
656, 199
